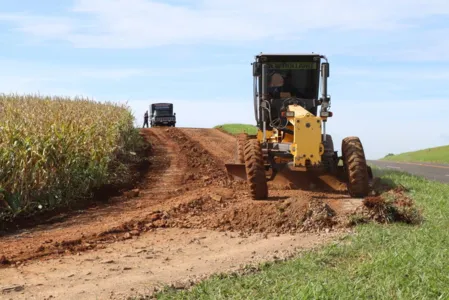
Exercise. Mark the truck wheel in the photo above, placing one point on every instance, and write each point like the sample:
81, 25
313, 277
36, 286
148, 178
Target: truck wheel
241, 141
255, 170
355, 167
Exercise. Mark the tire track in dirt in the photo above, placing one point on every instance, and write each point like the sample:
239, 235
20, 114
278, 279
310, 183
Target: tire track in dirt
85, 230
181, 172
168, 165
217, 143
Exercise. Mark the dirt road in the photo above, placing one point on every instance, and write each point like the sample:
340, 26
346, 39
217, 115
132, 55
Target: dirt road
188, 221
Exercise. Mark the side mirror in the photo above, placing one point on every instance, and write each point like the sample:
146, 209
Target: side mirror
256, 69
174, 114
325, 70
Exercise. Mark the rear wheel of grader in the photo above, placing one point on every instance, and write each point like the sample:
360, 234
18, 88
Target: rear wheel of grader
255, 170
355, 167
241, 141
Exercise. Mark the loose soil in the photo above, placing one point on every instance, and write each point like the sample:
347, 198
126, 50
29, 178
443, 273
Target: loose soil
187, 220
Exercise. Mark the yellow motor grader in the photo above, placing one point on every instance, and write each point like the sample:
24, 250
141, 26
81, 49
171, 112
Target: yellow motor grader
291, 145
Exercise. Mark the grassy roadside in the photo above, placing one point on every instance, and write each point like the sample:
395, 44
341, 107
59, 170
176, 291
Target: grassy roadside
395, 261
238, 128
436, 155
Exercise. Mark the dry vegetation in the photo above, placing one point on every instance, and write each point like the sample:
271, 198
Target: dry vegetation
56, 151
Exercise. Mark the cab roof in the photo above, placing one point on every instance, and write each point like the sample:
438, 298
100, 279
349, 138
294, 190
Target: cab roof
289, 54
284, 56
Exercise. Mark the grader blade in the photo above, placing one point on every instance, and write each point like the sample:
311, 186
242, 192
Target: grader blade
236, 171
287, 178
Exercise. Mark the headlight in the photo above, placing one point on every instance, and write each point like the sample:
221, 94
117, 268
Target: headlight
326, 114
290, 114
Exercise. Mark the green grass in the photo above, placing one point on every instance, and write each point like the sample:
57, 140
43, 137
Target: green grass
238, 128
437, 155
394, 261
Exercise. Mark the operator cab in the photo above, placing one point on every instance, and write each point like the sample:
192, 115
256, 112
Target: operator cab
289, 83
288, 79
284, 86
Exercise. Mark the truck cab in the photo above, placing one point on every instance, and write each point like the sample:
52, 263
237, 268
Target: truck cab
162, 115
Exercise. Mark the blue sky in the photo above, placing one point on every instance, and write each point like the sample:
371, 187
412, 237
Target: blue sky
389, 60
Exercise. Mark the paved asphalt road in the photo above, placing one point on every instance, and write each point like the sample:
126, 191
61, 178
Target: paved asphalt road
432, 171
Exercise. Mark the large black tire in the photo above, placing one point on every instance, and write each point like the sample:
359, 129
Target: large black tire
255, 170
329, 147
328, 158
355, 167
242, 138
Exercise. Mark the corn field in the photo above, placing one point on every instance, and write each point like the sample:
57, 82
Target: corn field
56, 150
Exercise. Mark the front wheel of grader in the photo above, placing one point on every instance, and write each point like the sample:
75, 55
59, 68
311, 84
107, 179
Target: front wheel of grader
255, 170
356, 169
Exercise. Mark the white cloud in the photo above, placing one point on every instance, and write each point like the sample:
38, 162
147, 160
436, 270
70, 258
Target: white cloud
140, 23
388, 73
394, 126
23, 71
42, 26
33, 86
200, 114
33, 71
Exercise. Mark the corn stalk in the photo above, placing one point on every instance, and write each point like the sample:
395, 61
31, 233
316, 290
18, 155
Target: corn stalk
55, 150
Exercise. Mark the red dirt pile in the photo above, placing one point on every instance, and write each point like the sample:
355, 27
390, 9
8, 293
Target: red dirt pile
319, 216
229, 213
